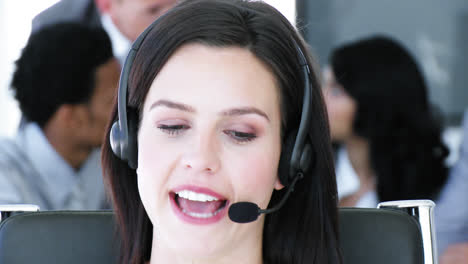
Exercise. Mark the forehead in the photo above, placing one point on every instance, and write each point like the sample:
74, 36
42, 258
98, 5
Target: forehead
222, 76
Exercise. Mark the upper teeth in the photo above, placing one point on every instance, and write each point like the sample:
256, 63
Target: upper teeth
193, 196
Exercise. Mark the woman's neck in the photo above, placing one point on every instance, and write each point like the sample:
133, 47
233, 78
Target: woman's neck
359, 156
249, 251
358, 152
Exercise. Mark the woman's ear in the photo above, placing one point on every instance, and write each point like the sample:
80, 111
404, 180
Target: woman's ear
278, 184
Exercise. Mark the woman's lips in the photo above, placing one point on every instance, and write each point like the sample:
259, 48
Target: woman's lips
198, 205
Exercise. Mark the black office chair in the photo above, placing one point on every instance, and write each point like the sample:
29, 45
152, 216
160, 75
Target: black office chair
380, 236
59, 237
367, 236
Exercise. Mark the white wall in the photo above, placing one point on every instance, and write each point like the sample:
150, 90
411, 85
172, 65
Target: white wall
15, 26
286, 7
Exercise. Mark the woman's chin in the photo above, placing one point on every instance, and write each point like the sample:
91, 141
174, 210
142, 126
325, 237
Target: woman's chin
191, 246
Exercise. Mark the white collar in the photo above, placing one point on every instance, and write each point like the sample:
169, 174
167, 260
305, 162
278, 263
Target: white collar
120, 44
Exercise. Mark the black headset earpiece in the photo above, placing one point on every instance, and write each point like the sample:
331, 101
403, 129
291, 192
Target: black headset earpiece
132, 157
125, 145
287, 171
123, 133
116, 140
297, 155
285, 159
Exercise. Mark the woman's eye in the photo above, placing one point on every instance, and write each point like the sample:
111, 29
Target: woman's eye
240, 136
173, 129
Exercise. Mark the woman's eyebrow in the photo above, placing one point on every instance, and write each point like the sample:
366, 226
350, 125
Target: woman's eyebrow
171, 104
245, 111
229, 112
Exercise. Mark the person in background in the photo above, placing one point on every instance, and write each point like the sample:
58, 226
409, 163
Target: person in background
389, 139
123, 20
451, 212
390, 145
455, 254
64, 82
189, 158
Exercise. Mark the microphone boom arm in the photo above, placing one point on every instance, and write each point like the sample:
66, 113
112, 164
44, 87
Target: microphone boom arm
285, 197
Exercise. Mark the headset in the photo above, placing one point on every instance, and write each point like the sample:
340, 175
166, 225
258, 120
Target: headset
296, 155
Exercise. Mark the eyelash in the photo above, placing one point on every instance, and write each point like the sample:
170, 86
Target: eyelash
241, 137
173, 129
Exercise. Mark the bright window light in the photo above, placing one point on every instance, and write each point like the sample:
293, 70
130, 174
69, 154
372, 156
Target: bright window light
286, 7
15, 27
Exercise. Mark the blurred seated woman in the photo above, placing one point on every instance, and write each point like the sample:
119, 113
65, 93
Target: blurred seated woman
390, 144
216, 93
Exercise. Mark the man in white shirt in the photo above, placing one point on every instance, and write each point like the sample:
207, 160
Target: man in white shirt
123, 20
65, 81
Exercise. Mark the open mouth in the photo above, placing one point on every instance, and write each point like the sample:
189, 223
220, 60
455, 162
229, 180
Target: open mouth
200, 207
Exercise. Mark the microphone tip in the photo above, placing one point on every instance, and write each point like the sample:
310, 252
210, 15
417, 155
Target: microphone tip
243, 212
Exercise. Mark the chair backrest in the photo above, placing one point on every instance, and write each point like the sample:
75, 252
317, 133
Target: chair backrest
367, 236
70, 237
380, 236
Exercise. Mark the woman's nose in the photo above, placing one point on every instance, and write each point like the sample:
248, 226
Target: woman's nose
203, 155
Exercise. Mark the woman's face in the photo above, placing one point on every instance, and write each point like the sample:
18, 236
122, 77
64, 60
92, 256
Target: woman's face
340, 106
209, 137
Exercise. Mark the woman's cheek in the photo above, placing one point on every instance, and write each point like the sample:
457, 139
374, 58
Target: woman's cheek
257, 176
153, 166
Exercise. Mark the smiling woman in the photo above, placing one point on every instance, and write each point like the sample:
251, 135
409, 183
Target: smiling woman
216, 96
